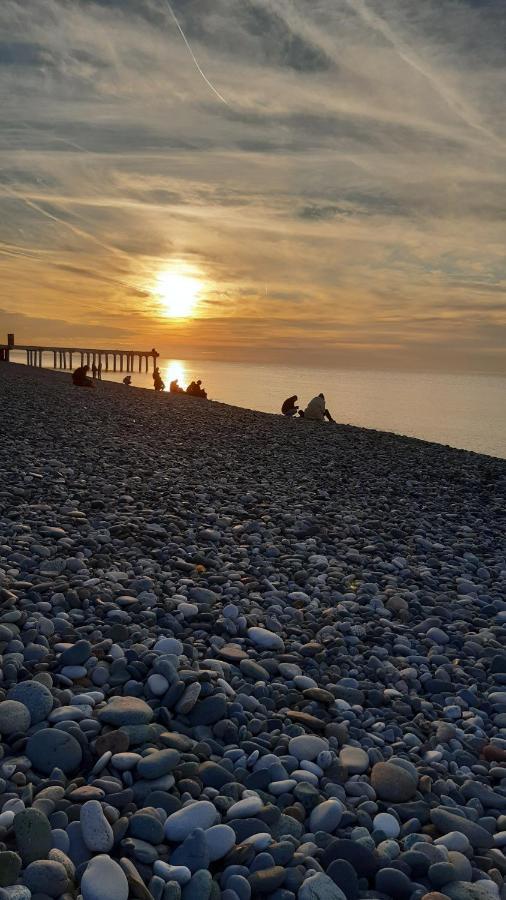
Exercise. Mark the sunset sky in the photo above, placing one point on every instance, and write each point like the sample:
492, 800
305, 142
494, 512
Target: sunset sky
320, 181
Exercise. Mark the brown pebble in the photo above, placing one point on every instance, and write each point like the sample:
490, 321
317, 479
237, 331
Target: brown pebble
115, 741
493, 753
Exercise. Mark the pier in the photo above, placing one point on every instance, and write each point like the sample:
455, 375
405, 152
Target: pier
71, 357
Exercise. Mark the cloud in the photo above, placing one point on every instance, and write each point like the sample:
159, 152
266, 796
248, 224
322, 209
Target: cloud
353, 189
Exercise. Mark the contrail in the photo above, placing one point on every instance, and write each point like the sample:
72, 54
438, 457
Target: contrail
79, 232
406, 54
194, 58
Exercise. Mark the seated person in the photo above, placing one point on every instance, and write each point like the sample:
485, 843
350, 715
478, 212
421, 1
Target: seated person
81, 378
289, 408
195, 389
176, 388
127, 380
316, 410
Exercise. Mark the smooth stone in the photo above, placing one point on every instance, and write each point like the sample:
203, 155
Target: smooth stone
96, 830
104, 879
145, 824
53, 748
388, 824
180, 824
447, 821
37, 698
219, 839
209, 710
10, 867
343, 874
477, 890
243, 809
193, 852
265, 639
33, 835
326, 816
125, 711
199, 887
320, 887
307, 746
361, 858
179, 874
454, 840
394, 883
393, 783
354, 759
45, 876
266, 880
154, 765
14, 717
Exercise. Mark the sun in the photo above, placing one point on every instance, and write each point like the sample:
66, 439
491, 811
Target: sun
178, 293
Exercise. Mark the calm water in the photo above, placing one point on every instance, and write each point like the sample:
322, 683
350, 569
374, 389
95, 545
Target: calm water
467, 411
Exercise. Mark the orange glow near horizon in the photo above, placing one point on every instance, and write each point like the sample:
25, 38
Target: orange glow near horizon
175, 369
178, 293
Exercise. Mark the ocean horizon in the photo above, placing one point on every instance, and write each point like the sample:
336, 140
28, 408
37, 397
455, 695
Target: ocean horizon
463, 411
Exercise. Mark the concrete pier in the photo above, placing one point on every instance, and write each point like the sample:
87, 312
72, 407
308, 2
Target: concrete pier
71, 357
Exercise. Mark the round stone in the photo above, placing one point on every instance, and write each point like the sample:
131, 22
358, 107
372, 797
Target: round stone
35, 696
219, 839
14, 717
51, 748
33, 834
393, 783
265, 639
126, 711
45, 876
388, 824
307, 746
104, 879
355, 760
180, 824
326, 816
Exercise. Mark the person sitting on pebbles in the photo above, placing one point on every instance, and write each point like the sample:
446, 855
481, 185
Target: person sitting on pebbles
81, 378
289, 407
175, 388
316, 410
127, 380
195, 389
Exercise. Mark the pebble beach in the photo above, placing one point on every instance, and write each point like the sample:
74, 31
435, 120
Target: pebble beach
244, 657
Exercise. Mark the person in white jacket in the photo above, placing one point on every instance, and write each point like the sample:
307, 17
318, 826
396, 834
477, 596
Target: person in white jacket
316, 410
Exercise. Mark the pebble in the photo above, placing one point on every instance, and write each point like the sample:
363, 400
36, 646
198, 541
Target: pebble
96, 830
104, 879
235, 685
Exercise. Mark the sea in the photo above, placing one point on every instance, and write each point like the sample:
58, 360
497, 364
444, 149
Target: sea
463, 411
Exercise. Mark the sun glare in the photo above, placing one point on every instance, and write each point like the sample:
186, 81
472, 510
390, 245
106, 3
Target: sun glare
178, 293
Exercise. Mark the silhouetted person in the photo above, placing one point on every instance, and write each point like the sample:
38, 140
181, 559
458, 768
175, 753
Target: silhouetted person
316, 410
99, 371
127, 380
81, 377
289, 408
175, 388
94, 370
157, 380
195, 389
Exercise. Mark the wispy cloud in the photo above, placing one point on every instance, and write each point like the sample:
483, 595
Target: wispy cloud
331, 168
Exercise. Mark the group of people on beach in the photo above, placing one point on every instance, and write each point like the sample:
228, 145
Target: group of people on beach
194, 389
81, 378
316, 409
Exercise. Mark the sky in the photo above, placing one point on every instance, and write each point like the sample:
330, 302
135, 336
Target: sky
327, 177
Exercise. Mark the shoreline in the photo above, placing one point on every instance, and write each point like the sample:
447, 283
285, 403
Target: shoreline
218, 403
244, 658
